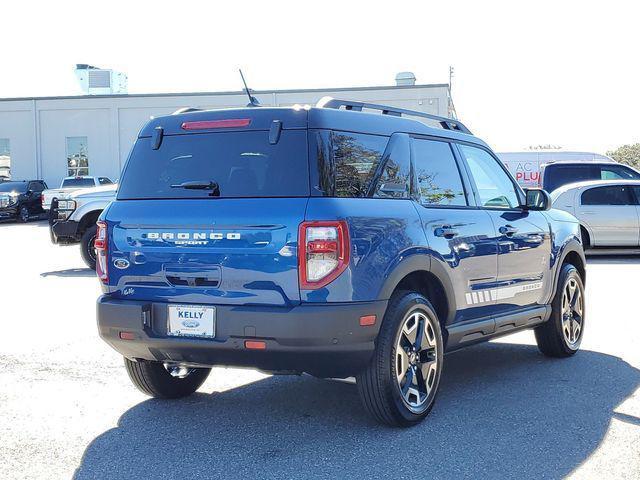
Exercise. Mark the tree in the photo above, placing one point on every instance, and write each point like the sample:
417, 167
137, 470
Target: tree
627, 154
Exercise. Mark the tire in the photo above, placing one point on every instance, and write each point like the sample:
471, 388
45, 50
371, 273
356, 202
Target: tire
23, 215
391, 394
561, 335
87, 249
154, 379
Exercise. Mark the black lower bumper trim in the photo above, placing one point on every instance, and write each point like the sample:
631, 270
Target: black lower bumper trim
325, 340
64, 232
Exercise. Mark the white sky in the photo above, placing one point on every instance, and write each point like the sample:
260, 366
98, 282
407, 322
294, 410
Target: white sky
526, 73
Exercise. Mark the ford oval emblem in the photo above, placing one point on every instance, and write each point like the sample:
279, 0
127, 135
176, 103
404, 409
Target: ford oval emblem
190, 324
121, 263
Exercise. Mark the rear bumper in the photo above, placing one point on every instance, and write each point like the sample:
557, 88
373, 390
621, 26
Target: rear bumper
324, 340
64, 232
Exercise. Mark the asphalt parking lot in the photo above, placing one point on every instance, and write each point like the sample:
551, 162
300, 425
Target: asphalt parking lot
67, 409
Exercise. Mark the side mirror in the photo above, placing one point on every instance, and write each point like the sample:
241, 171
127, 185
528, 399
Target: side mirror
537, 199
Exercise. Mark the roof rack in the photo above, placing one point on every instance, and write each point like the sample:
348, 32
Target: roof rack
444, 122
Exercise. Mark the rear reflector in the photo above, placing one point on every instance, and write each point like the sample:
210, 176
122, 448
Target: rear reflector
127, 335
255, 345
367, 320
207, 124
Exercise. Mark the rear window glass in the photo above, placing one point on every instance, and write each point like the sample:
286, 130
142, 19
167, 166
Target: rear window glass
355, 159
78, 182
242, 164
559, 175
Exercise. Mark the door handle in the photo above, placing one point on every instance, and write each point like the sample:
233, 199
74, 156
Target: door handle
446, 231
508, 230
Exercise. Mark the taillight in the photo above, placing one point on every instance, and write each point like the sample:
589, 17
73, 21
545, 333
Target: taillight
42, 198
323, 252
100, 244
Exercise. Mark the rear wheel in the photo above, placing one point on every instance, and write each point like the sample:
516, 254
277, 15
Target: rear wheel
160, 380
562, 334
400, 384
88, 248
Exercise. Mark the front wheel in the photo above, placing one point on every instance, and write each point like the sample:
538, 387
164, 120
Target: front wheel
400, 384
160, 380
88, 247
561, 335
23, 215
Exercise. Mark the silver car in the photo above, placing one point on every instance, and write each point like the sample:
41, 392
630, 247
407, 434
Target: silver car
608, 211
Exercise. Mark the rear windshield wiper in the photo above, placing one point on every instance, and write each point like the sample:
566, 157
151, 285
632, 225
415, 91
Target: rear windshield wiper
200, 185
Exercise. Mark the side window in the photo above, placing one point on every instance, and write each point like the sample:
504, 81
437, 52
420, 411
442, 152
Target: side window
104, 181
355, 160
395, 178
494, 186
610, 195
615, 172
437, 174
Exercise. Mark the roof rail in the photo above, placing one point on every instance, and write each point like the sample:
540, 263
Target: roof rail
444, 122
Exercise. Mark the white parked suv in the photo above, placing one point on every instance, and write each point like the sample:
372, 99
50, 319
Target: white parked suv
73, 219
69, 185
608, 211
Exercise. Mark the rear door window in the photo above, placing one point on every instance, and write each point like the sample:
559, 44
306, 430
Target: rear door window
242, 164
437, 174
609, 195
395, 177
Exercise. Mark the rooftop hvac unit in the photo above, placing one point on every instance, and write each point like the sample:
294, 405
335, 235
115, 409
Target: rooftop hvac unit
99, 81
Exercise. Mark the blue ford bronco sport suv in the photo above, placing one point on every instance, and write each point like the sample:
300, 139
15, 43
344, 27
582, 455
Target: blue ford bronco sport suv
344, 240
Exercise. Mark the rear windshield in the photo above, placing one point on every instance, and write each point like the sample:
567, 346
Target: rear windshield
78, 182
242, 164
13, 187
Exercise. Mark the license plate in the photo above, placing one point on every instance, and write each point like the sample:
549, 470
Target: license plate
192, 321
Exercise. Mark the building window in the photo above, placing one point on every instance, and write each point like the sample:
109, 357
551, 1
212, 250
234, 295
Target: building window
77, 156
5, 158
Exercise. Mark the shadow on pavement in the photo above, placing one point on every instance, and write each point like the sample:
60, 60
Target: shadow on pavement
33, 222
70, 272
503, 410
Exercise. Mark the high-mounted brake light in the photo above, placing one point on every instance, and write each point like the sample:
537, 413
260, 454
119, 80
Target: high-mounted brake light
100, 244
323, 252
208, 124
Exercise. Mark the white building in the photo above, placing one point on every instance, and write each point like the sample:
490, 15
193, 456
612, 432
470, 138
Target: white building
52, 137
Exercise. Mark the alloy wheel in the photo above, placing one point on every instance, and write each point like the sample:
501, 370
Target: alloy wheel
416, 360
572, 313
